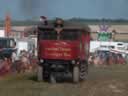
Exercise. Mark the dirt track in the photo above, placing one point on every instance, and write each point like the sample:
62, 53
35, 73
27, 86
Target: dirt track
104, 81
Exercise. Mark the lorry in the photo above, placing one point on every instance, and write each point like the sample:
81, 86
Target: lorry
107, 46
7, 47
63, 49
25, 44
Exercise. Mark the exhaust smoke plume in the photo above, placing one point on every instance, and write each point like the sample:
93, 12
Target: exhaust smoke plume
29, 7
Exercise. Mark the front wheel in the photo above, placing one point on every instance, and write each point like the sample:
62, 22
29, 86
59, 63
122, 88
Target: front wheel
40, 73
75, 74
52, 78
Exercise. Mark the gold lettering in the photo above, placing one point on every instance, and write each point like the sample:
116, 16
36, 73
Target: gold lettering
66, 54
66, 49
55, 54
59, 49
52, 49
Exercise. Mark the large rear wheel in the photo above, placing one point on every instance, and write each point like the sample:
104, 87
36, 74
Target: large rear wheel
76, 75
40, 73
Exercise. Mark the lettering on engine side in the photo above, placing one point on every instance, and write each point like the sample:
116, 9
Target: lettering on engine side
59, 52
58, 49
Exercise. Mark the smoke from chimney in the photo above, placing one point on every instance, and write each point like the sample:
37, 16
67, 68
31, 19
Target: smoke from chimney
29, 7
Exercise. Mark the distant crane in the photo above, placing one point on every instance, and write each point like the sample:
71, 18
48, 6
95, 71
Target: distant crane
7, 24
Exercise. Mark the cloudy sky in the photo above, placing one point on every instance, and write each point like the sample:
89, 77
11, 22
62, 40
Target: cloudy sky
25, 9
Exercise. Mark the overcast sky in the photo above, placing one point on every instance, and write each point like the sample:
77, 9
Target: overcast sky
25, 9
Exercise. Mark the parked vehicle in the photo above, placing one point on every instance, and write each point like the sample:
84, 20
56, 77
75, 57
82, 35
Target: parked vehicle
25, 44
7, 46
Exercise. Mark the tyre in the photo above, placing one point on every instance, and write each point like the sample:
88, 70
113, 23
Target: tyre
45, 75
40, 73
83, 71
52, 78
75, 74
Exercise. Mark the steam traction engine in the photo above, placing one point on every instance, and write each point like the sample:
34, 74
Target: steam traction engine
63, 49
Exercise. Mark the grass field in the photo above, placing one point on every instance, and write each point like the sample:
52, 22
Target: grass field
102, 81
